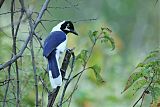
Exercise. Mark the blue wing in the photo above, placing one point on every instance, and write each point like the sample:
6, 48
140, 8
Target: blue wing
52, 41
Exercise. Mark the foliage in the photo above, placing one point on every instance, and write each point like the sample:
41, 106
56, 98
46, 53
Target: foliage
147, 78
84, 56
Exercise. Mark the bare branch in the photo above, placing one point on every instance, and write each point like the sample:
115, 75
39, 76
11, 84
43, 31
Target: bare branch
39, 39
5, 82
85, 20
44, 84
1, 3
19, 54
67, 81
144, 93
7, 87
16, 11
65, 7
52, 96
35, 72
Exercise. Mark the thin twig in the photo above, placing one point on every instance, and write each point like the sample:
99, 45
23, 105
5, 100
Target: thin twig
35, 72
83, 69
67, 81
5, 13
33, 63
5, 82
39, 40
85, 20
44, 84
19, 54
1, 3
65, 7
7, 87
144, 92
15, 47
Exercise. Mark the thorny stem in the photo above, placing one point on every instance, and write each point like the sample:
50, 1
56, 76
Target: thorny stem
16, 55
7, 87
33, 60
35, 72
19, 54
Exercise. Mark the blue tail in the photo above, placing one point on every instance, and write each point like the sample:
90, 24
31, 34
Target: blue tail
54, 72
53, 64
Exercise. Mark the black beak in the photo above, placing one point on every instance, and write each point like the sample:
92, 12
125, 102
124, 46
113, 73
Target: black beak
74, 32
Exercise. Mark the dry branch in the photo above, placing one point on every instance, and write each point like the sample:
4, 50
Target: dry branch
19, 54
52, 95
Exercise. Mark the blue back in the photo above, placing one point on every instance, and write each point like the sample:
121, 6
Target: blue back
52, 41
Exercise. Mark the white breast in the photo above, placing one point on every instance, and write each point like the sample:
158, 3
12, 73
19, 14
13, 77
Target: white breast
61, 48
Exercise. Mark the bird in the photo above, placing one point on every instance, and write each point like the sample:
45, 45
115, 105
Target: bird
54, 45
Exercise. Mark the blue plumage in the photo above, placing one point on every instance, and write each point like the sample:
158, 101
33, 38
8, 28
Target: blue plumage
52, 41
49, 51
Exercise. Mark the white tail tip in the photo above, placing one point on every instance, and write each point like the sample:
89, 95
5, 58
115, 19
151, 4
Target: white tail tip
55, 81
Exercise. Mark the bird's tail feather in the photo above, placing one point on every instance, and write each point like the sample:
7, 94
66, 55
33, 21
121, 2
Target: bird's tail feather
54, 72
55, 81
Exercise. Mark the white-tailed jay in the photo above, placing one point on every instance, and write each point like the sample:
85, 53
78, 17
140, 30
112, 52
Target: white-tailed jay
54, 45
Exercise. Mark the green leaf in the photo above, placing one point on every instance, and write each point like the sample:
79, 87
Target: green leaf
107, 29
95, 33
153, 56
97, 71
155, 92
82, 56
110, 39
140, 65
134, 77
138, 85
93, 36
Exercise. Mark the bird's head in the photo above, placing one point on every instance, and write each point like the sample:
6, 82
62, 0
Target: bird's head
66, 27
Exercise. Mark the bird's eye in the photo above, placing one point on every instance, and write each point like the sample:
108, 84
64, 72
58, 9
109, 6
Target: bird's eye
68, 26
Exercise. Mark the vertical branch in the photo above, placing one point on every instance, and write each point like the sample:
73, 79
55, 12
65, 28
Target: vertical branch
33, 58
67, 81
7, 87
1, 3
14, 36
34, 69
9, 68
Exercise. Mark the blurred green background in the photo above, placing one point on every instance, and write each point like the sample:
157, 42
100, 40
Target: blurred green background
135, 26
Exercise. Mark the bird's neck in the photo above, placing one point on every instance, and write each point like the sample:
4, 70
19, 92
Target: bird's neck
56, 28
